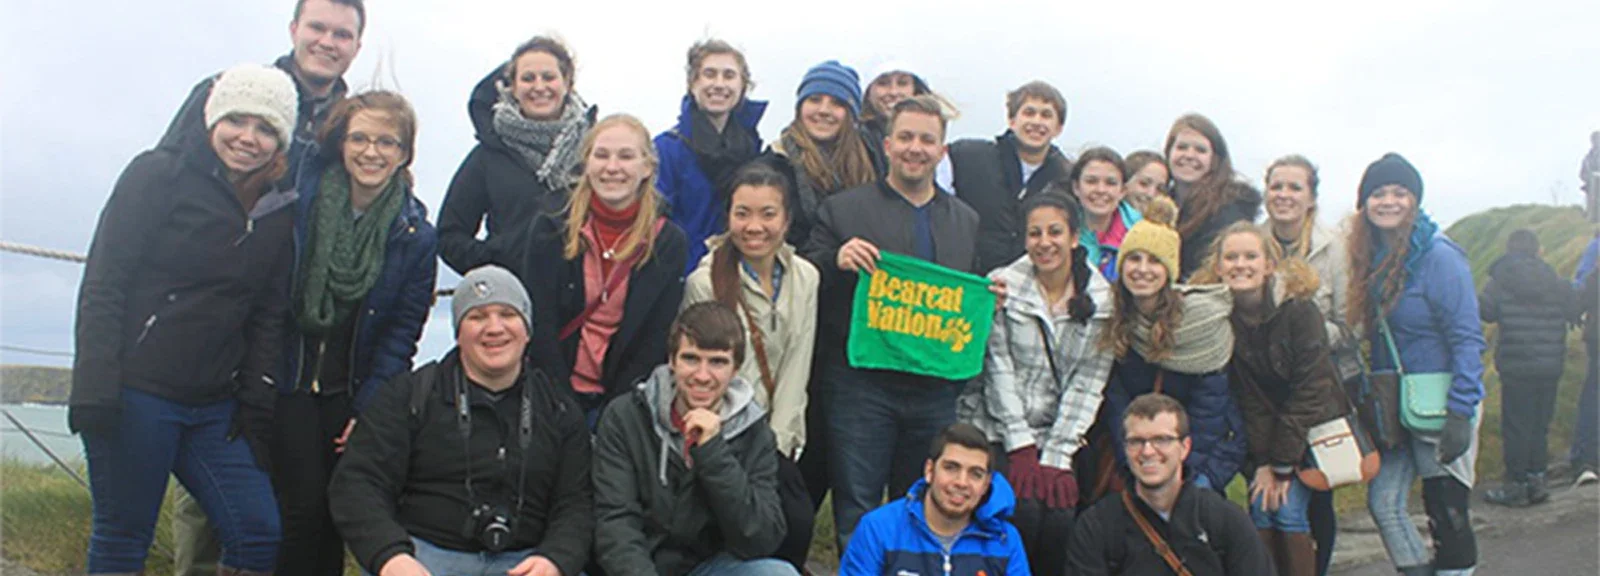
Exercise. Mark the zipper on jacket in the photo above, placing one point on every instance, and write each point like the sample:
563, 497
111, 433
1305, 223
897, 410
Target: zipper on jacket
148, 322
316, 374
249, 227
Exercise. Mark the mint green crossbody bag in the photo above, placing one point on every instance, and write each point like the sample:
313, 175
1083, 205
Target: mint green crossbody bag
1424, 398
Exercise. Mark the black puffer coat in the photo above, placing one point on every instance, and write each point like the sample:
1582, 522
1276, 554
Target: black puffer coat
1533, 306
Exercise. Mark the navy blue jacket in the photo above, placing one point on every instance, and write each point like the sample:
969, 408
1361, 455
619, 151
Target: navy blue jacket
1436, 327
1214, 419
394, 310
697, 207
895, 539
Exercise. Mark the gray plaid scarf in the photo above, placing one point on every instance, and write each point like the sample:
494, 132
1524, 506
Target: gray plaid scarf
548, 147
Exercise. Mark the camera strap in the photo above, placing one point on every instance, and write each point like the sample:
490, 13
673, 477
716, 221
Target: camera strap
524, 432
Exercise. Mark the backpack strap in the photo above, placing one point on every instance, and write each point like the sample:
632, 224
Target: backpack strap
422, 388
1156, 541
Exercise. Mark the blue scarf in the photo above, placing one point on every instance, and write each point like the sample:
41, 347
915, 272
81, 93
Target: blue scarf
1422, 233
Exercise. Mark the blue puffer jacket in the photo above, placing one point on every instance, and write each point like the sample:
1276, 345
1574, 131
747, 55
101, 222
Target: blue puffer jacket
1436, 327
395, 308
895, 539
1214, 419
697, 206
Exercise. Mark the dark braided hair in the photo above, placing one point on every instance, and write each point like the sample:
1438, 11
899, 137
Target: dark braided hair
1057, 195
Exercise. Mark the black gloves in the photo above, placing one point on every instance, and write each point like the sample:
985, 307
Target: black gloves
252, 419
1455, 438
94, 420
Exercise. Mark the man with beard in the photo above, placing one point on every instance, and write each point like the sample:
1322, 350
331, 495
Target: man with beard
995, 176
1161, 523
326, 36
879, 420
961, 503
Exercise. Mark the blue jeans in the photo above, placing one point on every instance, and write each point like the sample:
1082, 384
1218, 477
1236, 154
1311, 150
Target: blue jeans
881, 426
1586, 435
128, 479
456, 563
1290, 517
1387, 499
726, 565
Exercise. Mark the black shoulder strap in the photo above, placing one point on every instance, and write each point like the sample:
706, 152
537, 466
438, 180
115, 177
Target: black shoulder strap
422, 387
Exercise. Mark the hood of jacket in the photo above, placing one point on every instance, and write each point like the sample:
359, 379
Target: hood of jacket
747, 114
1527, 277
194, 151
739, 412
991, 515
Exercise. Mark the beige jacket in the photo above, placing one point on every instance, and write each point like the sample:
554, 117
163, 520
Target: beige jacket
1327, 257
788, 329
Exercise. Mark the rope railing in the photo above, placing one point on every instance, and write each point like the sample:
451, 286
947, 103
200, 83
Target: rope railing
65, 256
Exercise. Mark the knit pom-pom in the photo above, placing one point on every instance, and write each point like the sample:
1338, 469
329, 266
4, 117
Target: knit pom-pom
1161, 210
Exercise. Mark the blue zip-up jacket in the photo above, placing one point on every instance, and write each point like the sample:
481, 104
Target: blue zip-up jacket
394, 310
697, 206
1105, 257
1436, 327
1214, 419
895, 540
1586, 262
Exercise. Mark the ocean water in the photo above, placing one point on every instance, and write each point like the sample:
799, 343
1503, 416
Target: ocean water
49, 424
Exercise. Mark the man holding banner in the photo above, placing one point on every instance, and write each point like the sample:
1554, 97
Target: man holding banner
892, 350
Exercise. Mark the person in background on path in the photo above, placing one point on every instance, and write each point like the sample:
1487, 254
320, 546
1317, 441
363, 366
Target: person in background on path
367, 259
1589, 176
715, 135
685, 465
878, 420
1291, 192
960, 504
1532, 305
1585, 454
325, 38
995, 176
1406, 273
530, 125
1206, 534
1043, 377
1144, 176
1283, 381
824, 144
1172, 339
1098, 185
606, 275
180, 324
1210, 194
752, 271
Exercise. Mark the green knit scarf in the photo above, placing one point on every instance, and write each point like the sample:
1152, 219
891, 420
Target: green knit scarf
343, 254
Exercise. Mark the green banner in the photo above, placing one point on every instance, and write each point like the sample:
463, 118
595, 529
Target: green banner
918, 317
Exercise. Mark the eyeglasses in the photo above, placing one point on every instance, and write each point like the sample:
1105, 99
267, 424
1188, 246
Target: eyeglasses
1159, 442
359, 141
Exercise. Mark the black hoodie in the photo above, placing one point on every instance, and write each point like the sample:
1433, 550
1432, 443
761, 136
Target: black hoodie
1533, 306
494, 187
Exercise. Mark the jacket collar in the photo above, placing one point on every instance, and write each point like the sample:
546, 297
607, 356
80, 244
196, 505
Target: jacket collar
939, 193
1024, 295
746, 114
988, 520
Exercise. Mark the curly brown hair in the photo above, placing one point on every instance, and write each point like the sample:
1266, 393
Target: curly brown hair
1167, 316
1360, 246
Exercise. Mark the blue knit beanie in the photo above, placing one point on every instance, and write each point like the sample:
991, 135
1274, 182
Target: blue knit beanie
833, 79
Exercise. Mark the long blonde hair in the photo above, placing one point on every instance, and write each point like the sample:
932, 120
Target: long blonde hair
1302, 240
641, 233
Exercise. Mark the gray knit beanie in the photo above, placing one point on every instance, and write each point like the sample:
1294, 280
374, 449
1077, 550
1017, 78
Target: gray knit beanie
255, 90
489, 284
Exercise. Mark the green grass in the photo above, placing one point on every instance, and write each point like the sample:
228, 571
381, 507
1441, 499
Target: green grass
45, 517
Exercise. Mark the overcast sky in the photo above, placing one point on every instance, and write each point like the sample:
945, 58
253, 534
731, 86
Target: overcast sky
1493, 100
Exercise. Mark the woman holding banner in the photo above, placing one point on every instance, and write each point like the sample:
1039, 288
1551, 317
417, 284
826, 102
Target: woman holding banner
1043, 377
1175, 340
605, 276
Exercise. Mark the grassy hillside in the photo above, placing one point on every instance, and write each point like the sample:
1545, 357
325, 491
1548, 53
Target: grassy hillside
37, 384
1563, 232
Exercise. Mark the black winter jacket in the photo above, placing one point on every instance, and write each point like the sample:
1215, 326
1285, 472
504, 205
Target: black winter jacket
404, 473
1197, 245
1533, 306
877, 213
657, 515
1212, 536
988, 177
557, 288
184, 295
493, 187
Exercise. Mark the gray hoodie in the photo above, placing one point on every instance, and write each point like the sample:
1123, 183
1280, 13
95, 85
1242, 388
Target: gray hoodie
657, 514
